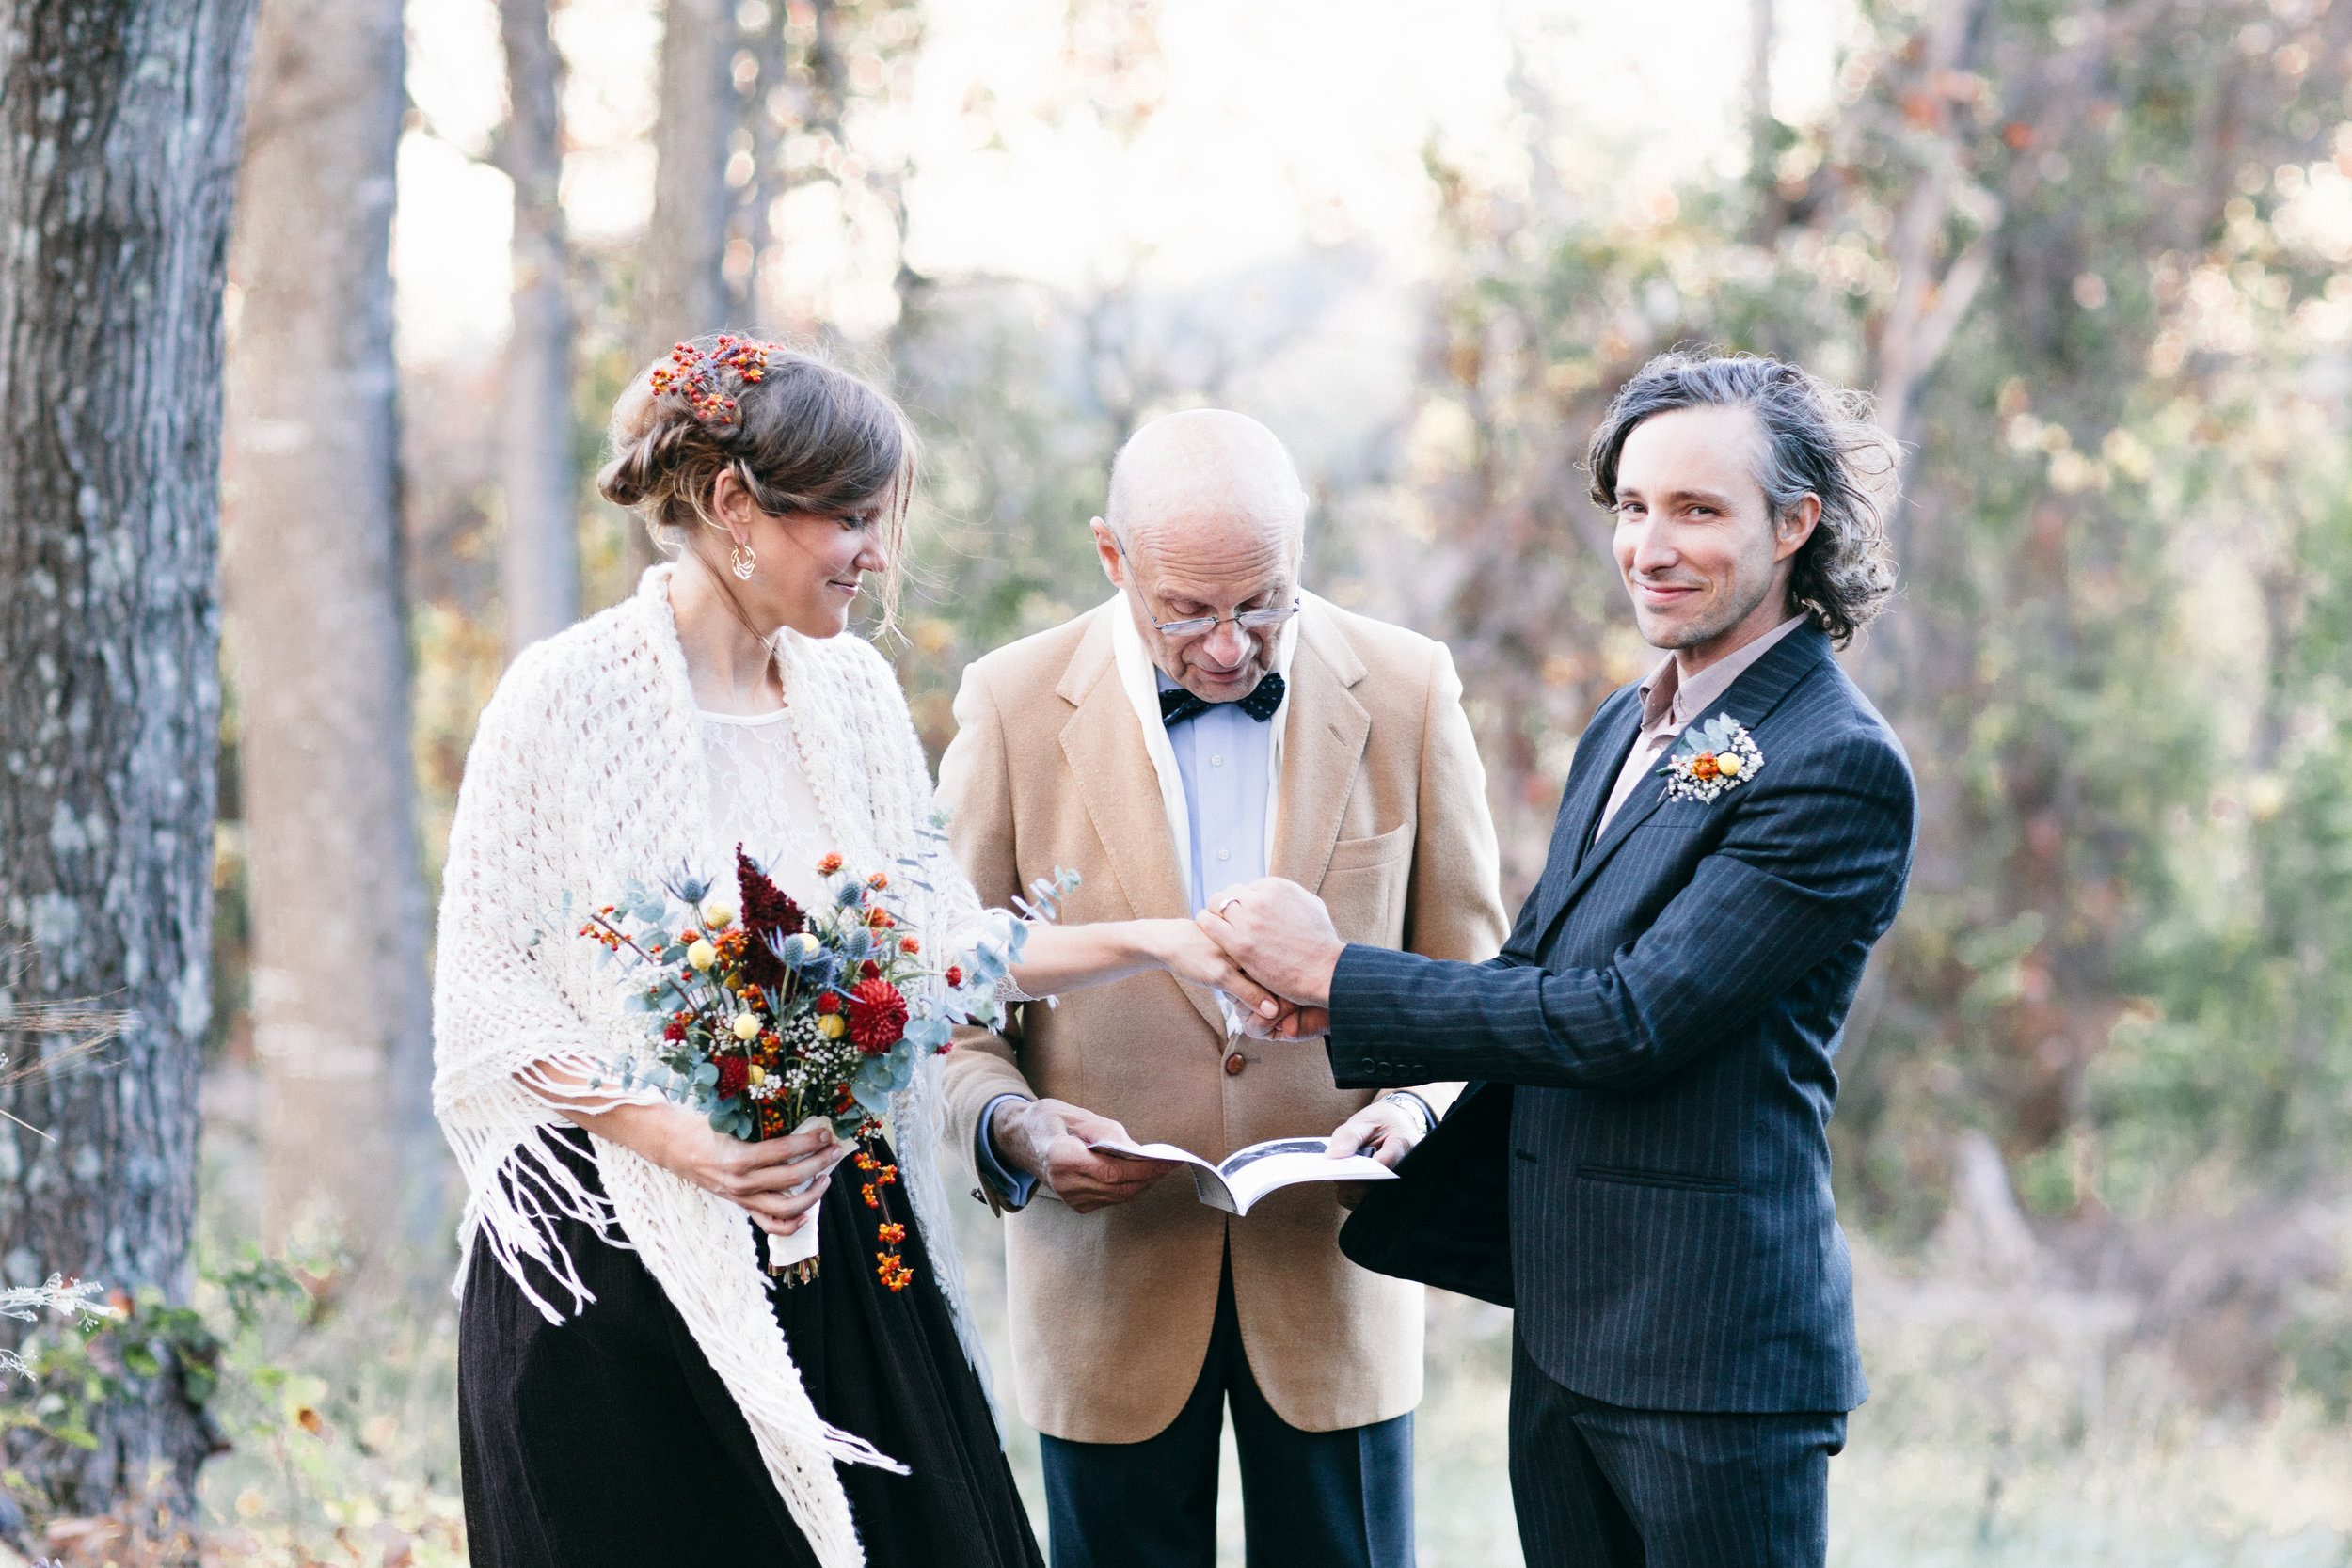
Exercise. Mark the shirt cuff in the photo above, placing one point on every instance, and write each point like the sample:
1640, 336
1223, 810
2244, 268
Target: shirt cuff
1015, 1188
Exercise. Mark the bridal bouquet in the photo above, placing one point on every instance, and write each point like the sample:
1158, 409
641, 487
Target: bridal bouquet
771, 1019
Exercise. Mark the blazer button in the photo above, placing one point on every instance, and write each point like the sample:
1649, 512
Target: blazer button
1234, 1064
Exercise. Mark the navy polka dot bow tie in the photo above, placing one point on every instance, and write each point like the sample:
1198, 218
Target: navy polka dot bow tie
1180, 704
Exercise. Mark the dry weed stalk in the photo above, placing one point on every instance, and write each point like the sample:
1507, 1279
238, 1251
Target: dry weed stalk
59, 1033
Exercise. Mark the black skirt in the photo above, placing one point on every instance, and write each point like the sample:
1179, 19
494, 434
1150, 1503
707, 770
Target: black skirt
608, 1438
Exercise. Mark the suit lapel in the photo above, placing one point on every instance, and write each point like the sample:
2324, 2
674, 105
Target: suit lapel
1103, 742
1600, 756
1323, 745
1614, 740
1751, 699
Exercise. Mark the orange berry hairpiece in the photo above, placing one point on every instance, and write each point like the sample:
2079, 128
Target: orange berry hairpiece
695, 374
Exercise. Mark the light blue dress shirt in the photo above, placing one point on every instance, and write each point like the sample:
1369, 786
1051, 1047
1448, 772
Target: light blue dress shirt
1226, 759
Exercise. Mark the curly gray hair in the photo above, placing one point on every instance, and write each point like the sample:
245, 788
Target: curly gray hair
1818, 440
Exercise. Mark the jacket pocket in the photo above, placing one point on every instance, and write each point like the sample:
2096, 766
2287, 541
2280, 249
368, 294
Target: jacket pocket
1366, 885
1629, 1176
1358, 854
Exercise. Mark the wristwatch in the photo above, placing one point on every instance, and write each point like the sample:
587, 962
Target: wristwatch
1409, 1099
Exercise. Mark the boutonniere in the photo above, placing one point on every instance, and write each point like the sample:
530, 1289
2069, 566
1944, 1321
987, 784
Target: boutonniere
1711, 758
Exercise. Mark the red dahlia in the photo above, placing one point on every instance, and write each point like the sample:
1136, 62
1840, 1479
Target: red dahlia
877, 1016
734, 1074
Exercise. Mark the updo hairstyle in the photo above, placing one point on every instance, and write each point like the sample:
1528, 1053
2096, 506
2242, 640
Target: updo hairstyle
800, 436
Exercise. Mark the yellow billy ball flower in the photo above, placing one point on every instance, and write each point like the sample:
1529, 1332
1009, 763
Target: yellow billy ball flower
702, 954
746, 1025
833, 1026
718, 915
758, 1075
1728, 764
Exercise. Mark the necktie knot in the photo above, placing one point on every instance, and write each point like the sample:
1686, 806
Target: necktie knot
1179, 706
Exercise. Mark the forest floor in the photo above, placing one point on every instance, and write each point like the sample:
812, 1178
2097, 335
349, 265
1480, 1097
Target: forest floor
2019, 1423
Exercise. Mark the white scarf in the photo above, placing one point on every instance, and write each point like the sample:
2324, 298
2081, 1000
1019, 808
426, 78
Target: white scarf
586, 772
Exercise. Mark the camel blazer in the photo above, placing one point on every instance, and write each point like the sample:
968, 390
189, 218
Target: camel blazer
1382, 810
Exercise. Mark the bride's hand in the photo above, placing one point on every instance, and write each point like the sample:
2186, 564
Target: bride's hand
757, 1176
1186, 952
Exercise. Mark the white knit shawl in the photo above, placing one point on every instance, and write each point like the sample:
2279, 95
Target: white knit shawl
586, 771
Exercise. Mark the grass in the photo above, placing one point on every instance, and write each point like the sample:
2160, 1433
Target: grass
2006, 1427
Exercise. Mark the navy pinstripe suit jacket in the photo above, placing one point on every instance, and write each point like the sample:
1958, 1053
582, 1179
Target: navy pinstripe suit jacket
1664, 1015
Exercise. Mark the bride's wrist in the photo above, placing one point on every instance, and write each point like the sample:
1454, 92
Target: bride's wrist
1159, 943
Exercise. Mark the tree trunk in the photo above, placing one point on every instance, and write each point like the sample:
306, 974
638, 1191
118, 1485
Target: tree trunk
117, 161
684, 286
539, 573
1760, 133
312, 575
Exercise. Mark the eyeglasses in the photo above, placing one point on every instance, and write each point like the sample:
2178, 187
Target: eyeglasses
1198, 626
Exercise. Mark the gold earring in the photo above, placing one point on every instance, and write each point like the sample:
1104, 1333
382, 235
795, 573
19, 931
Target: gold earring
743, 563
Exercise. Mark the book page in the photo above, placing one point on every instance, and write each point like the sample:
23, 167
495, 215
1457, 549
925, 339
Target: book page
1120, 1149
1251, 1173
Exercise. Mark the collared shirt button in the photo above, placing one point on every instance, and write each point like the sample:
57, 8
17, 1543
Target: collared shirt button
1216, 759
1225, 854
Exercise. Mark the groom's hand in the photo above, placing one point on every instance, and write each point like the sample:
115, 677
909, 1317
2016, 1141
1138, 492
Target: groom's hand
1290, 1022
1048, 1138
1282, 935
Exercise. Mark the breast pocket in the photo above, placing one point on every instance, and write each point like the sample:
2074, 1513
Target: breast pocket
1365, 883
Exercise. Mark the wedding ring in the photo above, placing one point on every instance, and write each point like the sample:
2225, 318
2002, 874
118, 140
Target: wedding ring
1227, 905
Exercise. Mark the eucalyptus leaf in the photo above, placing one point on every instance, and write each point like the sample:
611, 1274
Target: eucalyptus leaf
870, 1088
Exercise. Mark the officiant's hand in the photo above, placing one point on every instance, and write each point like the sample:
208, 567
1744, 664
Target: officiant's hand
1281, 934
1385, 1131
1048, 1138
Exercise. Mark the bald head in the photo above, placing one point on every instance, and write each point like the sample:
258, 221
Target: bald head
1206, 518
1205, 469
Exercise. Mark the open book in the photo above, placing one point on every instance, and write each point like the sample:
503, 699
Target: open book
1248, 1175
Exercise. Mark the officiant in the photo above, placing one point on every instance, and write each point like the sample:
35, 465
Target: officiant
1209, 725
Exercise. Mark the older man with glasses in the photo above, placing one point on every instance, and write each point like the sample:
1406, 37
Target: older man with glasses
1210, 726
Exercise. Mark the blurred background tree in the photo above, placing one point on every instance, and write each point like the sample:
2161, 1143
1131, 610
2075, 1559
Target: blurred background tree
325, 806
539, 569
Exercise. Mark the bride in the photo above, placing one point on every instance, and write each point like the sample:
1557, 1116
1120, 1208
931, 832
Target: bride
631, 1390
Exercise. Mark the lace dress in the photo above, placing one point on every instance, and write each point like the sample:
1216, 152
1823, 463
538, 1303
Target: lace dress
608, 1439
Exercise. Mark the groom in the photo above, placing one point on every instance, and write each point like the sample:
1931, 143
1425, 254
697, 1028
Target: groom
1735, 834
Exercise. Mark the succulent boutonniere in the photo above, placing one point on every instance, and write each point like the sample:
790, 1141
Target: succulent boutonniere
1709, 758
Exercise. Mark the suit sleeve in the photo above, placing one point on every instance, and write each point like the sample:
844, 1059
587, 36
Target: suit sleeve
1809, 863
1454, 903
975, 789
